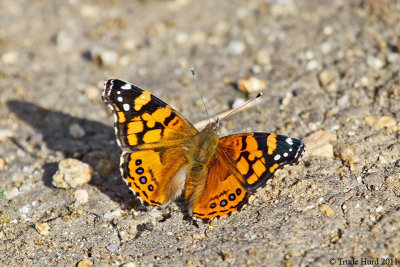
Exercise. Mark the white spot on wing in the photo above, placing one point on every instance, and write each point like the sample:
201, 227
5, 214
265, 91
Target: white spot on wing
285, 154
289, 141
120, 99
126, 86
126, 107
277, 157
118, 92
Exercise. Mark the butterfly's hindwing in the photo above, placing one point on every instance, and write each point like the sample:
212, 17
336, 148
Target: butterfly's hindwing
155, 175
219, 193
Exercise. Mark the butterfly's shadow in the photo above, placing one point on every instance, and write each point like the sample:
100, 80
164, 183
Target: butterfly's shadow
52, 128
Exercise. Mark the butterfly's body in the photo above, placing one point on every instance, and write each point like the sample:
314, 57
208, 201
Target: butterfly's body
164, 155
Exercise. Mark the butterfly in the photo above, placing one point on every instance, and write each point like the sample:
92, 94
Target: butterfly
164, 155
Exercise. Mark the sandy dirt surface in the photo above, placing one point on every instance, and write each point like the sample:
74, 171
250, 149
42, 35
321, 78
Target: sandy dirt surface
332, 79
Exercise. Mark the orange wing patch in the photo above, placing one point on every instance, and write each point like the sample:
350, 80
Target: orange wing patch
153, 175
258, 155
219, 193
141, 118
143, 99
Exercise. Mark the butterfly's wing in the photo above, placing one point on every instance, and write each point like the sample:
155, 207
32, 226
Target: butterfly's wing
258, 155
219, 193
141, 119
152, 136
244, 163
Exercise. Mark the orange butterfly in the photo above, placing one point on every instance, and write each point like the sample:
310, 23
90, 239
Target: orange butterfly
164, 155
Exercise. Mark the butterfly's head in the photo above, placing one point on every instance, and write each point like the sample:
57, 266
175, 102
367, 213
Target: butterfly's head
213, 127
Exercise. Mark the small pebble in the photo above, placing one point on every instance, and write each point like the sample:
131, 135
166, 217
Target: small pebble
104, 57
364, 81
375, 62
12, 193
149, 226
9, 57
81, 195
155, 213
393, 57
251, 84
379, 209
72, 173
309, 55
76, 131
112, 247
328, 211
198, 37
199, 236
328, 30
89, 11
64, 41
181, 37
320, 143
283, 10
43, 229
237, 103
5, 134
2, 163
312, 65
342, 101
380, 122
129, 264
325, 47
263, 57
236, 47
113, 214
326, 77
85, 263
345, 152
130, 44
92, 93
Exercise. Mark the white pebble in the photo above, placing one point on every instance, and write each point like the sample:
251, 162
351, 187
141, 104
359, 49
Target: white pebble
12, 193
76, 131
64, 42
9, 57
238, 102
364, 81
375, 62
325, 47
72, 173
112, 247
342, 101
81, 195
312, 65
236, 47
328, 30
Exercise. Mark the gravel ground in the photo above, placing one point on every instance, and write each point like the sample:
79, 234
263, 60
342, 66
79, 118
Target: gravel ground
331, 70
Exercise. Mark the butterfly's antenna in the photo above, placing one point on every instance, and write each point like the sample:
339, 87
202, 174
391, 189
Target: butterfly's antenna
242, 106
198, 90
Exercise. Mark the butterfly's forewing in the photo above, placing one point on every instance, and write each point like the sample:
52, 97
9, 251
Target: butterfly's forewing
142, 119
152, 136
258, 155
